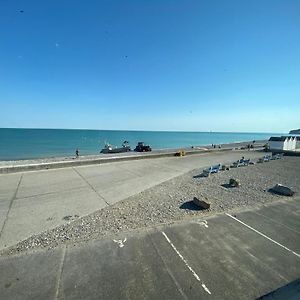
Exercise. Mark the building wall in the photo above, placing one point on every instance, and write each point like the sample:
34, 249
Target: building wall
279, 145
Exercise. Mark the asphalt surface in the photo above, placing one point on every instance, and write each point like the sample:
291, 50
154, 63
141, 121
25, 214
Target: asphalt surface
32, 202
241, 255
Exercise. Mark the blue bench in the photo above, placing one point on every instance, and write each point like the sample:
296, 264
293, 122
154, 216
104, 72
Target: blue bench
212, 169
241, 162
277, 156
267, 158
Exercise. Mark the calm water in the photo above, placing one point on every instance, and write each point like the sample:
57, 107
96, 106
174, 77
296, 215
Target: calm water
40, 143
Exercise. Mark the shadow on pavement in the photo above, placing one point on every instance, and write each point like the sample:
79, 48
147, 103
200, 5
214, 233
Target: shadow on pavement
200, 175
291, 291
227, 186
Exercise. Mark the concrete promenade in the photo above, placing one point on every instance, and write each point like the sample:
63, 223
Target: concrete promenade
32, 202
241, 255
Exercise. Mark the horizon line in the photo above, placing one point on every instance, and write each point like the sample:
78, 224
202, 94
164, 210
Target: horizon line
138, 130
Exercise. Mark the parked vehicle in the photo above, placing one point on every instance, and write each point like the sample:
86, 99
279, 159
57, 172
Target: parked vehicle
108, 148
141, 147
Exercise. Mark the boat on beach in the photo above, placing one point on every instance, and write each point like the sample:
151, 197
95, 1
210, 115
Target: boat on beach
108, 148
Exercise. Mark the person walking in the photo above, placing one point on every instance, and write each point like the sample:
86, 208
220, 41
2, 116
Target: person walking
77, 153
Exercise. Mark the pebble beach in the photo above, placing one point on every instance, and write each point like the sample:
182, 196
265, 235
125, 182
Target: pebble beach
171, 202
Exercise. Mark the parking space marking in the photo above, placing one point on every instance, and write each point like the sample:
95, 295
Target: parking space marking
202, 223
186, 263
263, 235
120, 242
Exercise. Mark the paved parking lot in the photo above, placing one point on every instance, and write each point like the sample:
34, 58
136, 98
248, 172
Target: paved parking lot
239, 255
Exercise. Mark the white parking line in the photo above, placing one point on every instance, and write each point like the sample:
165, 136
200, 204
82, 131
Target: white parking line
260, 233
186, 263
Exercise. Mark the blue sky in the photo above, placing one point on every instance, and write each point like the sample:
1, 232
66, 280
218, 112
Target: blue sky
150, 65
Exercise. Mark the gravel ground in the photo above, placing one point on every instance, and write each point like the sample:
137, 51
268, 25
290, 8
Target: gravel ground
169, 202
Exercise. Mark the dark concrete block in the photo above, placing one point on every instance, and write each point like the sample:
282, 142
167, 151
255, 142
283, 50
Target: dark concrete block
201, 203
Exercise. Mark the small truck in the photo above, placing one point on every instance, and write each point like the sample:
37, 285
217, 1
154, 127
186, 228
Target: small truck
141, 147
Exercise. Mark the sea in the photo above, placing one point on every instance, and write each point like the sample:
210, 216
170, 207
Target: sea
18, 144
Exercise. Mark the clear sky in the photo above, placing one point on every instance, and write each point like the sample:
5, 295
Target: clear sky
227, 65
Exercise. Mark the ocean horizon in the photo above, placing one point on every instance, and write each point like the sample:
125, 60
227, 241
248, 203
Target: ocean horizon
23, 143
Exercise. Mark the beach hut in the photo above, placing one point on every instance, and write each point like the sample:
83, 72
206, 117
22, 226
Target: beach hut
292, 143
297, 142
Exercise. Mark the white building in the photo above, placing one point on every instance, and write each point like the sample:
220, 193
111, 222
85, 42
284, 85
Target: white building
283, 143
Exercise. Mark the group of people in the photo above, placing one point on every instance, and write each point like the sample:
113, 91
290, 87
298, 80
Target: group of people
250, 146
215, 146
